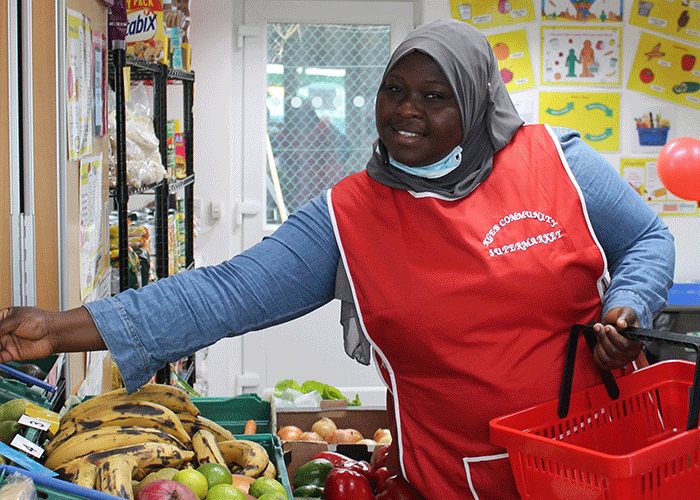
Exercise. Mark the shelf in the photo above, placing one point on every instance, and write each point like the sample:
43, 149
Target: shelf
179, 74
132, 191
142, 69
179, 184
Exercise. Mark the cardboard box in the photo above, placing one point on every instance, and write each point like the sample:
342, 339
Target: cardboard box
364, 419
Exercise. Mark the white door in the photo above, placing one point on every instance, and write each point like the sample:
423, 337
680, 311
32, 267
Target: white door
325, 59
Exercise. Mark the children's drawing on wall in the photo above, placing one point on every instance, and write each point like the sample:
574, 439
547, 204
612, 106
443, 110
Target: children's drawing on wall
641, 174
678, 18
582, 11
492, 13
667, 70
596, 116
513, 55
653, 126
580, 56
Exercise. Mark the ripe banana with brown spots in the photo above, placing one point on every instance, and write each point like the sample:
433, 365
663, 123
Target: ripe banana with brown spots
149, 457
140, 413
206, 449
192, 424
86, 476
114, 476
106, 438
165, 395
251, 457
270, 471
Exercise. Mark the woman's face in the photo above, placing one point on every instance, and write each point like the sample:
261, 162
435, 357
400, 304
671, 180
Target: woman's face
417, 115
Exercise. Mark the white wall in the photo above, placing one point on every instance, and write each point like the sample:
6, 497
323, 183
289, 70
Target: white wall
217, 125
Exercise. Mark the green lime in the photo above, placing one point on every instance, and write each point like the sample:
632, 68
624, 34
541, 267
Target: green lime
193, 480
215, 474
264, 485
273, 495
225, 492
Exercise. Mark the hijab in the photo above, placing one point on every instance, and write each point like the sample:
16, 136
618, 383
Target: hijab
489, 119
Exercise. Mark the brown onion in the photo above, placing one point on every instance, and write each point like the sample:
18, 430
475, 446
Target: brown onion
324, 427
309, 436
344, 436
382, 433
289, 433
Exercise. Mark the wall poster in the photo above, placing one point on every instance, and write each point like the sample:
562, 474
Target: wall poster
580, 55
667, 70
678, 18
513, 55
582, 11
641, 174
596, 115
493, 13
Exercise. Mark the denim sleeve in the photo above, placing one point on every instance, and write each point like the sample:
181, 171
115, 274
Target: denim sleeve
286, 275
637, 244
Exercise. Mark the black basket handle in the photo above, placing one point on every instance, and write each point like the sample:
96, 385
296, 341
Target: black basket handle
609, 381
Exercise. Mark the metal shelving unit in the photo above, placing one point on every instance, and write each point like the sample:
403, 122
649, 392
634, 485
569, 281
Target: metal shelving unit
161, 77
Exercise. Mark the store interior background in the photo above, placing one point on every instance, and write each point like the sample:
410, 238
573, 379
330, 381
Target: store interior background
285, 351
229, 61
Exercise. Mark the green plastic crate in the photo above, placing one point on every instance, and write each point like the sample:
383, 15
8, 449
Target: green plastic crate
56, 489
273, 446
233, 413
11, 388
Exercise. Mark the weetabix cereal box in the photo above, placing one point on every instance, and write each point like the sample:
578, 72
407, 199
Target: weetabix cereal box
145, 34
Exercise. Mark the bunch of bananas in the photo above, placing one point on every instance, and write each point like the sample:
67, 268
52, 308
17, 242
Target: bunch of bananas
115, 439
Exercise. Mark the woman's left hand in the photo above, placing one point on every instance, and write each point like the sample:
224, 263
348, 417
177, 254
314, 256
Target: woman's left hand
612, 349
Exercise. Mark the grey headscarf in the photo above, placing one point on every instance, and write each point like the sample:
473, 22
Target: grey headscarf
489, 121
489, 118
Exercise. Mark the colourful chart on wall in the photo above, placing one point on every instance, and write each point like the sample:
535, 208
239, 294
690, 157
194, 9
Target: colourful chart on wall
582, 11
678, 18
641, 174
580, 56
513, 55
653, 124
596, 115
666, 69
491, 13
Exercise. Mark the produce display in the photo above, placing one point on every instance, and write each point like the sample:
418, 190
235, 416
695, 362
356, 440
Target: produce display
334, 476
154, 444
325, 429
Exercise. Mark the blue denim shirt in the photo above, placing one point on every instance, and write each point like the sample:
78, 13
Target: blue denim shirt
292, 272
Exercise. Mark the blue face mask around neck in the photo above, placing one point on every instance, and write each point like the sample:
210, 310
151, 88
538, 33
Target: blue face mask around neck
438, 169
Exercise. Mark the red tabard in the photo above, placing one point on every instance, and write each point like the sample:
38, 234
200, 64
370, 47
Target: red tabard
468, 304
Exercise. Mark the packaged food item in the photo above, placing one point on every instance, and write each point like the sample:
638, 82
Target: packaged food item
145, 34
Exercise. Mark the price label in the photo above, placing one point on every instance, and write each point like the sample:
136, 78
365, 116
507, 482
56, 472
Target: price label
24, 444
36, 423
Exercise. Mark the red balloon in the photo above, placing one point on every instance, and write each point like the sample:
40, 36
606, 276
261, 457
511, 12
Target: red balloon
679, 167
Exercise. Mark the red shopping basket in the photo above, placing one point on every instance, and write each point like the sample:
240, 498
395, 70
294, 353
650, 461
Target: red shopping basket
641, 444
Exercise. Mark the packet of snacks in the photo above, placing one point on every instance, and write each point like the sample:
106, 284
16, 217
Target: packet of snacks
145, 36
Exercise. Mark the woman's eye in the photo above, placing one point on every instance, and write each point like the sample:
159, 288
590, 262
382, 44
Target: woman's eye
434, 95
393, 88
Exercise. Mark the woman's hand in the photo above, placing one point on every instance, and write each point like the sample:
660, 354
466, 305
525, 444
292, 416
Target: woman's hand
31, 333
24, 334
612, 349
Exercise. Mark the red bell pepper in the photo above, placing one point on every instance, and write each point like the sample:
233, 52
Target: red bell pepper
363, 468
381, 476
344, 484
337, 459
397, 488
379, 456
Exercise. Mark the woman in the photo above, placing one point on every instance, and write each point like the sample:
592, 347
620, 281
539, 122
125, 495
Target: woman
462, 254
